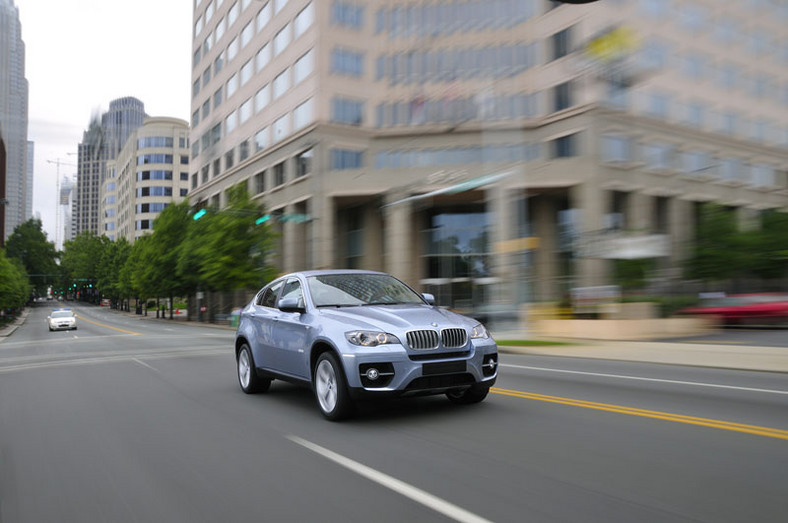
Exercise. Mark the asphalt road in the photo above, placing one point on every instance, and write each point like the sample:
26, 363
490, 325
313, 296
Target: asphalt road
758, 336
129, 419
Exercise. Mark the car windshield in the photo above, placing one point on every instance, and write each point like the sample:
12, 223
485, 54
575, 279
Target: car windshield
351, 290
62, 314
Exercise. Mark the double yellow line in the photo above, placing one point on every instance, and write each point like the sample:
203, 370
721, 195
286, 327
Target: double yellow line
666, 416
82, 318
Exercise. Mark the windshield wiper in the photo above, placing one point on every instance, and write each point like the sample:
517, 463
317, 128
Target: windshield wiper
339, 305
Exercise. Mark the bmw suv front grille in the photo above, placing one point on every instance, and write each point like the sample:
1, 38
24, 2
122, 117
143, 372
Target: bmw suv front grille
454, 338
421, 340
429, 339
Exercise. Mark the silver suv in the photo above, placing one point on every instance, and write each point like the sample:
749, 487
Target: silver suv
354, 334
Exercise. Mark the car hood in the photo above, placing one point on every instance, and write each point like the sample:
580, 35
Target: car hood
394, 318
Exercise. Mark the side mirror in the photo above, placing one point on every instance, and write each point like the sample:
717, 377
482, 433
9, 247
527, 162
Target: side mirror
429, 298
290, 305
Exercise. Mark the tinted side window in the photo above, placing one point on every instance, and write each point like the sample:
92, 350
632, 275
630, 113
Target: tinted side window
269, 296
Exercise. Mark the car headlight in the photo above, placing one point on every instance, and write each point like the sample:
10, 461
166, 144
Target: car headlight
370, 338
479, 332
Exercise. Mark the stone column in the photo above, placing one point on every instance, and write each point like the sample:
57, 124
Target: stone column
640, 213
398, 240
681, 228
545, 259
593, 203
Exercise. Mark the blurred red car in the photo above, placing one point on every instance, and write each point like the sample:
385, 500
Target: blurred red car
744, 308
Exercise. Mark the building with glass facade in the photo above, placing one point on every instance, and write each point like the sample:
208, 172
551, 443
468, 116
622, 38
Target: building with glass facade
13, 119
149, 173
490, 151
101, 143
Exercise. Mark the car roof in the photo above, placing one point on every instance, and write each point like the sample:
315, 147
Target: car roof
334, 271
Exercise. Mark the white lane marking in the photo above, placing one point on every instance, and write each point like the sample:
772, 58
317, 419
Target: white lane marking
640, 378
425, 498
135, 360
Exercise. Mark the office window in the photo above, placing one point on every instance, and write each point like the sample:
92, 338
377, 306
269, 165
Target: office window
698, 163
263, 17
206, 76
303, 20
342, 159
246, 72
658, 156
230, 122
232, 16
198, 25
246, 110
195, 118
196, 87
245, 4
217, 98
616, 148
261, 139
246, 34
279, 174
282, 40
232, 85
243, 150
303, 163
281, 127
763, 175
259, 182
279, 5
351, 15
281, 83
303, 67
218, 63
209, 11
232, 49
206, 109
262, 57
347, 111
564, 147
196, 57
204, 173
657, 105
220, 27
303, 115
194, 181
262, 98
348, 63
732, 170
561, 43
561, 96
229, 159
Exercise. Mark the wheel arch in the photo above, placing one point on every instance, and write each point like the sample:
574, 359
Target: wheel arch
319, 347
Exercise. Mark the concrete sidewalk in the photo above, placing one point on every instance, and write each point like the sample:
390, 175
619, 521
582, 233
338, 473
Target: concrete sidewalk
741, 357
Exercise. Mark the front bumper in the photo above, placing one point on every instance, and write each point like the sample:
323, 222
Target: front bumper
403, 373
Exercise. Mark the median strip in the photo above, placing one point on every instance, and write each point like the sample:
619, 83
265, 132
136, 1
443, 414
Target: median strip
666, 416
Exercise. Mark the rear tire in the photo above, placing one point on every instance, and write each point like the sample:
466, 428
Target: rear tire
248, 379
473, 394
330, 388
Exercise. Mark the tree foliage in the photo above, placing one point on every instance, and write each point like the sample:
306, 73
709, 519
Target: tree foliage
14, 286
29, 244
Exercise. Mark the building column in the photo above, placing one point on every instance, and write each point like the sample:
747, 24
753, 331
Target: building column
398, 247
681, 229
640, 212
500, 204
323, 232
373, 238
592, 204
545, 259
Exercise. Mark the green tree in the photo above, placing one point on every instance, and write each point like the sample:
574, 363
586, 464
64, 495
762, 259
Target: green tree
112, 260
766, 249
29, 244
81, 258
14, 286
226, 250
717, 254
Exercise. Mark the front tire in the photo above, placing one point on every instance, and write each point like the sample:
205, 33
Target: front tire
248, 379
473, 394
330, 388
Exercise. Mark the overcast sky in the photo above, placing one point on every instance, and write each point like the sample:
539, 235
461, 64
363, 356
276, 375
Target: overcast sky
82, 54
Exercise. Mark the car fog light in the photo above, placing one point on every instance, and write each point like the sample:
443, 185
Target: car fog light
372, 374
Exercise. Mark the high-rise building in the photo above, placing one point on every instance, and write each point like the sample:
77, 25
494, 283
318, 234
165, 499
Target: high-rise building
13, 118
490, 150
149, 173
101, 143
31, 156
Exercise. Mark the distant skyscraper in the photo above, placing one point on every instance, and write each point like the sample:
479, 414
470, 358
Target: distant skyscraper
101, 142
31, 156
13, 116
